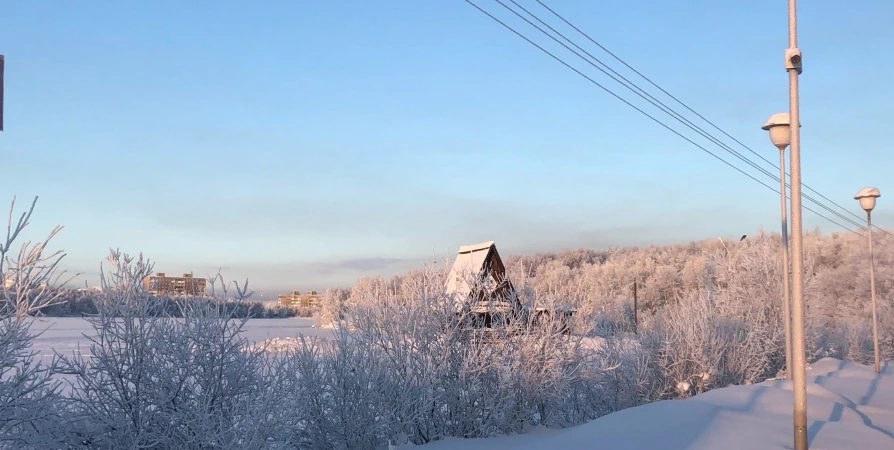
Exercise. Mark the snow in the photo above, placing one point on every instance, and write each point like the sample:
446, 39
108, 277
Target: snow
65, 334
468, 265
849, 406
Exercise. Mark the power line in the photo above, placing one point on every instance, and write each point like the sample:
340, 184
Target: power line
609, 91
655, 102
619, 59
612, 93
664, 109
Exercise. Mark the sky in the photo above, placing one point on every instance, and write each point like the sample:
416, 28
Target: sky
302, 144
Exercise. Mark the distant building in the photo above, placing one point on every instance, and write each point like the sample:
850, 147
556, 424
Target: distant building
90, 289
295, 298
160, 284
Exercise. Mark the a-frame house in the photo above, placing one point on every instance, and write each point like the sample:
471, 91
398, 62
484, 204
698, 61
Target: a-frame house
484, 294
478, 282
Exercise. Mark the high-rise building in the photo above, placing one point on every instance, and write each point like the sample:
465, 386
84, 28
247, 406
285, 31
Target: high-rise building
295, 298
160, 284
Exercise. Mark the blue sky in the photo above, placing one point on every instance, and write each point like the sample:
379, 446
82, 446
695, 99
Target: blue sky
302, 144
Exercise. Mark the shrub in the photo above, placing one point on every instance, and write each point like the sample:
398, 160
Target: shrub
402, 366
28, 394
150, 381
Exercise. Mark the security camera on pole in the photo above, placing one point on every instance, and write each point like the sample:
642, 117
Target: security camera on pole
867, 197
798, 370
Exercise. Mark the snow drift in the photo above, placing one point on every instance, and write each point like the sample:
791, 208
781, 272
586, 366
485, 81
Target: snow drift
849, 406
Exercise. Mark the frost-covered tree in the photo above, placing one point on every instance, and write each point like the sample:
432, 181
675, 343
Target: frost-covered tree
30, 278
150, 381
335, 301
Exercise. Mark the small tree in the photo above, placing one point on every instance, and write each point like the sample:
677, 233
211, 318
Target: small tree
334, 306
28, 395
154, 381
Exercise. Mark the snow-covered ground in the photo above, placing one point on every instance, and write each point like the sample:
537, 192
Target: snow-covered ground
64, 334
849, 407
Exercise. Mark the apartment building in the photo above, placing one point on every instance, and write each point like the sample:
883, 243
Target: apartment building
295, 298
161, 284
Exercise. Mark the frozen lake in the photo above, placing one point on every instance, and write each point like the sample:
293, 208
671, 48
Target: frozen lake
65, 334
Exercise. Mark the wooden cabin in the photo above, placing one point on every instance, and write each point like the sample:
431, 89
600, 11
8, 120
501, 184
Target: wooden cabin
485, 295
478, 283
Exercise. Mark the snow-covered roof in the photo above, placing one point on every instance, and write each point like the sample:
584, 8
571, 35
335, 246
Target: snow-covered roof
469, 264
475, 247
479, 269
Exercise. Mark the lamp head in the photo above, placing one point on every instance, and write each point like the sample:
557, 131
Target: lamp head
780, 130
867, 197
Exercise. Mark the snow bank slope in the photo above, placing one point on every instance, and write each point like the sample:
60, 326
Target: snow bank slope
849, 406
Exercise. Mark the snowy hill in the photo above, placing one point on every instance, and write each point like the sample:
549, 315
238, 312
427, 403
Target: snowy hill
849, 407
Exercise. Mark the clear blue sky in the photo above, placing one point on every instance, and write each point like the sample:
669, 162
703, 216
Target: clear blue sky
305, 143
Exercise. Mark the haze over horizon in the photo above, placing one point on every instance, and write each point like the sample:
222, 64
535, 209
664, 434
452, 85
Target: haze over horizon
305, 144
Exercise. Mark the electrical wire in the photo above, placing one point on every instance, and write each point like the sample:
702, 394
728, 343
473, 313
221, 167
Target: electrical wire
655, 102
652, 100
647, 79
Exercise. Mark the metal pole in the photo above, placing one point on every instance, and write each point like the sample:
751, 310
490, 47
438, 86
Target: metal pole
872, 288
1, 91
799, 367
636, 309
786, 288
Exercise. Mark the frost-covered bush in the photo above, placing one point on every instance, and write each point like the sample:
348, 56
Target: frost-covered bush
730, 330
28, 395
74, 303
402, 365
702, 349
710, 315
447, 380
335, 301
148, 381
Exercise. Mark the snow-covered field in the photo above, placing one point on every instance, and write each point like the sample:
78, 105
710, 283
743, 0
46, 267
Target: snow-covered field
64, 334
849, 407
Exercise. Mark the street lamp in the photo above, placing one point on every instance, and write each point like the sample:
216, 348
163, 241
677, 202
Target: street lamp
867, 197
781, 136
794, 66
779, 126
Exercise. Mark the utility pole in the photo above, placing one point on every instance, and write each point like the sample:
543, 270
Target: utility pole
635, 309
872, 291
2, 62
799, 370
786, 274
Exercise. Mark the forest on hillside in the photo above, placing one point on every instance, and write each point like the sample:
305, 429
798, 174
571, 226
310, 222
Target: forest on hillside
400, 368
600, 283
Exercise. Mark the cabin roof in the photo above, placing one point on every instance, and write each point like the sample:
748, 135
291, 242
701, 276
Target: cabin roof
478, 263
469, 265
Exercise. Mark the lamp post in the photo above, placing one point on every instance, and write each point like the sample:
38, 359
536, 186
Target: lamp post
781, 136
867, 197
798, 370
